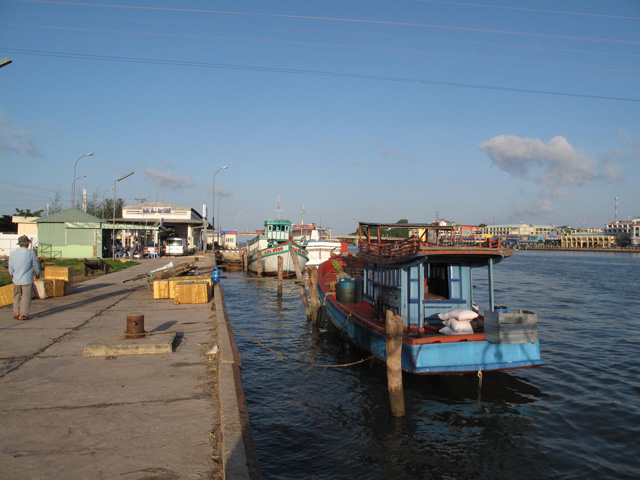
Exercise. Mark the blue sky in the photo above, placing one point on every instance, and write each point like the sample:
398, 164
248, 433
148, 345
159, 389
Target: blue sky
362, 110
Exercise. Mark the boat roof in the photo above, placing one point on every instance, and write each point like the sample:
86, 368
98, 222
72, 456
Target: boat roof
423, 240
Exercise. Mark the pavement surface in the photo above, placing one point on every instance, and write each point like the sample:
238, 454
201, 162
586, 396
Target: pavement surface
163, 416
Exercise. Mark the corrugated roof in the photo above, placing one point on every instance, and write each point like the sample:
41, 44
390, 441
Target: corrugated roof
72, 215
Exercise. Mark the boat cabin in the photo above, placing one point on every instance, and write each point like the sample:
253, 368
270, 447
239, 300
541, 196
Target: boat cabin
277, 230
417, 278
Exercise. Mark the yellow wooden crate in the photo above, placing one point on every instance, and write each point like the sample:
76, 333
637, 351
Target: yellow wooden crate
59, 273
60, 288
6, 295
161, 289
192, 292
199, 278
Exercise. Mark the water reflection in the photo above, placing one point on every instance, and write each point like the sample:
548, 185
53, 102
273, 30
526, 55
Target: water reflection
312, 422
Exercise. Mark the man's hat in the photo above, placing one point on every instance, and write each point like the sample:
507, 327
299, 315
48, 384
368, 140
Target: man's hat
24, 240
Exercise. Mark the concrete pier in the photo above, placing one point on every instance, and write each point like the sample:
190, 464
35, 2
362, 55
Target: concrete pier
78, 400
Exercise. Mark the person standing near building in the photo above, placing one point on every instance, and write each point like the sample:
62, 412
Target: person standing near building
23, 268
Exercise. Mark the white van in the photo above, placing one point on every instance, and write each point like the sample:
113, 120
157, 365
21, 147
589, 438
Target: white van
176, 246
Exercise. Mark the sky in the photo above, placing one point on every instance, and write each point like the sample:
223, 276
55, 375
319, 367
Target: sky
332, 111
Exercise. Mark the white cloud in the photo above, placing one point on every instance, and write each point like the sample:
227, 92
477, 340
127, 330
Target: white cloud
168, 180
554, 163
14, 140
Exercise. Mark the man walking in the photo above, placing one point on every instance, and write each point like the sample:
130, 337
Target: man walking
23, 268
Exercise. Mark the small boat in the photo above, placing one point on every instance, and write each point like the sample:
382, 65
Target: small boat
275, 241
427, 281
319, 247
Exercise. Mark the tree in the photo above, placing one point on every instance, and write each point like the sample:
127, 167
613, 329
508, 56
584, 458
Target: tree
107, 206
56, 203
94, 205
28, 213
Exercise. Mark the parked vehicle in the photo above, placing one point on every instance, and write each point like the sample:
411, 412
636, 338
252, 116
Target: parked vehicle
175, 246
151, 251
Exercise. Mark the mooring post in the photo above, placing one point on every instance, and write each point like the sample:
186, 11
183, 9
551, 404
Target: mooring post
300, 281
312, 273
245, 265
280, 263
394, 364
259, 269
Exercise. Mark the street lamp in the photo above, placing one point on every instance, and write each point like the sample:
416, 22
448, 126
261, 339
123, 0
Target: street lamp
241, 213
113, 225
73, 187
213, 206
219, 200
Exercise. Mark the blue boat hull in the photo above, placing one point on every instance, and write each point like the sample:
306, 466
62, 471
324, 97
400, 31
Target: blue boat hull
438, 358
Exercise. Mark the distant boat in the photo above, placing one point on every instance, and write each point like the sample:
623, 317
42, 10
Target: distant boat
275, 241
319, 249
429, 284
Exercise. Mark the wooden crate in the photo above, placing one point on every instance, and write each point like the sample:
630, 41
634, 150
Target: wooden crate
192, 292
43, 288
175, 280
59, 273
6, 295
60, 288
161, 289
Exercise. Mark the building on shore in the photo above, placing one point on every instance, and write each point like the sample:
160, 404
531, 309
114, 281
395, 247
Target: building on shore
183, 222
626, 230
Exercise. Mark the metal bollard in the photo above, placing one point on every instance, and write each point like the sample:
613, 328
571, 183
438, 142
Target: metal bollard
135, 326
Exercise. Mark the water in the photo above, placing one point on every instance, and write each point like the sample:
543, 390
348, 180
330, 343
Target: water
577, 416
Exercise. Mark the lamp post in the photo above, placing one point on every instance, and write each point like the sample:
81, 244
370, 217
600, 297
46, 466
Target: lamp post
241, 213
73, 186
213, 206
113, 225
219, 200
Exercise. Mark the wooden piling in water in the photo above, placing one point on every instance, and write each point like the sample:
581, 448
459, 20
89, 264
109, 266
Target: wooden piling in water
245, 263
300, 282
312, 273
280, 268
259, 263
394, 363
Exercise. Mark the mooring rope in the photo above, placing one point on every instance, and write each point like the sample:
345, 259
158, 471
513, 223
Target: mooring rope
305, 362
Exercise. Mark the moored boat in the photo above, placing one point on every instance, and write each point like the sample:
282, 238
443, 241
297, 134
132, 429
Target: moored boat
429, 285
275, 241
319, 245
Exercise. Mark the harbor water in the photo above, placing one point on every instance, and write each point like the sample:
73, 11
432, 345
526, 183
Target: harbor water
577, 416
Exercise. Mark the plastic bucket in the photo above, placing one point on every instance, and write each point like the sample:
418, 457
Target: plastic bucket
215, 275
345, 290
357, 294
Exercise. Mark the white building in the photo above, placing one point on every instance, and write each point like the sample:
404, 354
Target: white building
517, 229
630, 227
185, 221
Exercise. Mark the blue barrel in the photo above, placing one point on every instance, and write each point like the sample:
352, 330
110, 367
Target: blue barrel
345, 290
357, 295
500, 309
215, 275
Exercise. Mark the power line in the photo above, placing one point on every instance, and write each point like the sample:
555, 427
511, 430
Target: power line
80, 56
340, 19
524, 9
368, 48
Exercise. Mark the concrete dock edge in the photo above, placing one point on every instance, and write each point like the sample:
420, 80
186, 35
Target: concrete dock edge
239, 456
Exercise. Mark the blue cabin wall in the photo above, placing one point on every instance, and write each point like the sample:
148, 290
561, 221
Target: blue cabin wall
401, 289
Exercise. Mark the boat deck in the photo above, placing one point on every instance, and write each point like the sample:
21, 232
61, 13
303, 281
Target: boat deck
368, 315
